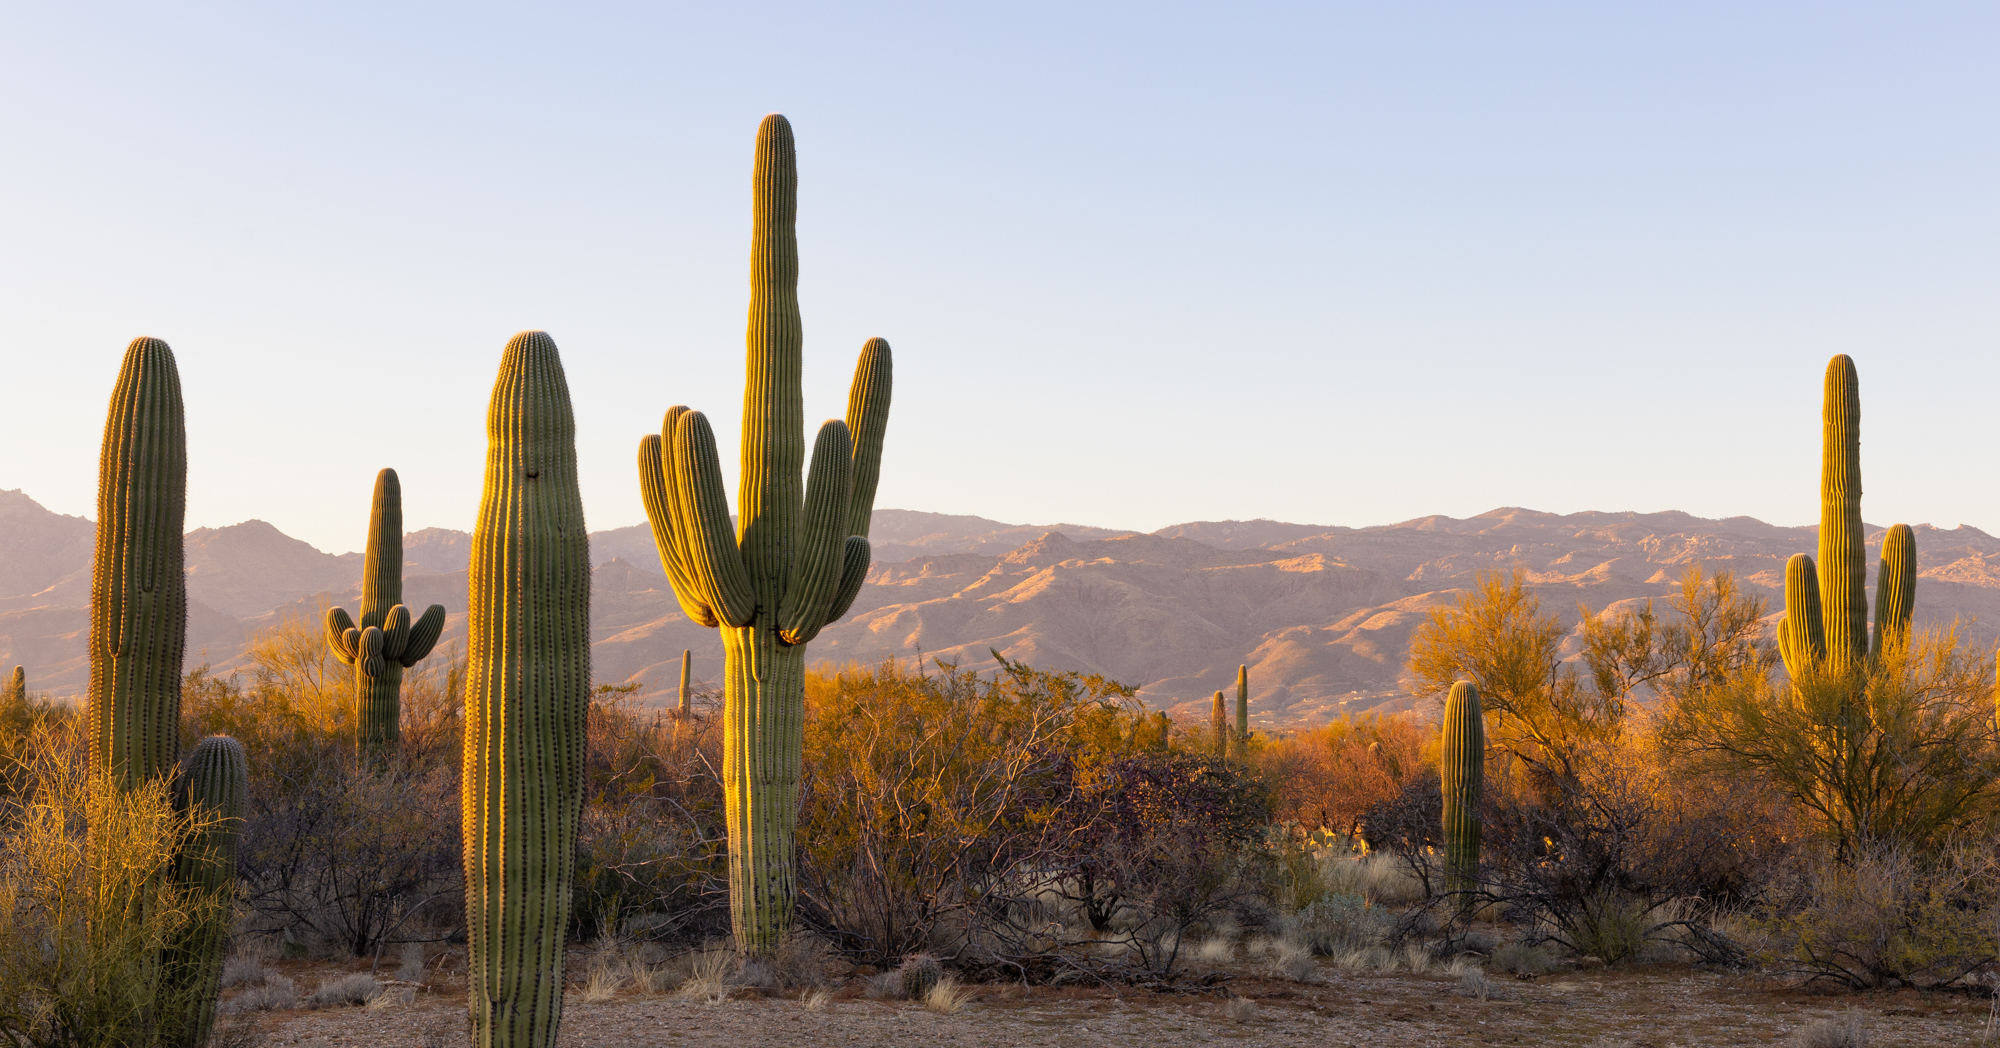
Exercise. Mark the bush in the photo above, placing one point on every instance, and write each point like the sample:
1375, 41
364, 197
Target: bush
1889, 917
1336, 924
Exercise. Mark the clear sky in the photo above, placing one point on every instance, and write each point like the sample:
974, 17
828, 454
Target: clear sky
1140, 264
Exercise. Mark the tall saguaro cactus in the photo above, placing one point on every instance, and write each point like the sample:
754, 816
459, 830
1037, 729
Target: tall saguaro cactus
1462, 769
385, 642
211, 786
797, 560
1826, 606
138, 588
1243, 705
527, 693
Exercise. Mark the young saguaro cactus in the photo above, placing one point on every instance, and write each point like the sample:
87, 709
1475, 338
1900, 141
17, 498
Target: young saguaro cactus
385, 642
1218, 719
1243, 704
1826, 618
16, 688
527, 693
797, 559
210, 786
138, 586
1462, 769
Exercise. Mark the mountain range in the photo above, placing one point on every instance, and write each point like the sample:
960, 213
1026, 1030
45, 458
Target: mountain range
1322, 615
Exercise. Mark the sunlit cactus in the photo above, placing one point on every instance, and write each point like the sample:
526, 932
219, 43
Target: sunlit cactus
797, 558
16, 689
211, 787
1895, 588
385, 642
1243, 705
1219, 723
138, 585
527, 694
1826, 616
1462, 769
686, 706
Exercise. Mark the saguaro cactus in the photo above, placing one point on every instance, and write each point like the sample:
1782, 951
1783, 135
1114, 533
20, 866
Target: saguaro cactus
1462, 767
1826, 618
797, 560
686, 708
1895, 587
527, 693
385, 642
211, 785
1243, 704
16, 688
138, 588
1219, 721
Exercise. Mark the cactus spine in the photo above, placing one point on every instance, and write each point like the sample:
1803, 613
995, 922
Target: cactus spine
1895, 588
210, 787
527, 693
385, 642
138, 588
1462, 768
1826, 618
797, 560
1243, 705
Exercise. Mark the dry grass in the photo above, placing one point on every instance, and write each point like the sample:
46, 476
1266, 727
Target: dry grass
815, 1000
1216, 949
946, 998
1240, 1009
344, 991
708, 976
1844, 1032
606, 979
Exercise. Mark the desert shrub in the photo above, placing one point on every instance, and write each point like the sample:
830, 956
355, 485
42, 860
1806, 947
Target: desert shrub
1523, 959
86, 901
1335, 924
1327, 777
1891, 916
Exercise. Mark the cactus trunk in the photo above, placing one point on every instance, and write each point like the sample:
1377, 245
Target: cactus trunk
1243, 704
138, 587
1462, 769
385, 642
527, 695
16, 690
1843, 559
686, 707
1895, 588
1219, 722
798, 556
211, 787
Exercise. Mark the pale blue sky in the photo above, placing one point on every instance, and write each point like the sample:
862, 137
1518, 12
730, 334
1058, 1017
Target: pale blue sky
1337, 263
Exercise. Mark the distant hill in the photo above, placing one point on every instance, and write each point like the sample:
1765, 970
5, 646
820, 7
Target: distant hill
1322, 615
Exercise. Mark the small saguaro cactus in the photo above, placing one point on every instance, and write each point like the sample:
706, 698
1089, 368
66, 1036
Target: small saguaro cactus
1462, 769
1243, 704
1826, 617
138, 584
527, 693
210, 786
385, 642
16, 688
797, 559
1219, 721
686, 708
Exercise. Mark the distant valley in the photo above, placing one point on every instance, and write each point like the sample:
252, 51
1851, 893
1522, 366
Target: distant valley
1322, 615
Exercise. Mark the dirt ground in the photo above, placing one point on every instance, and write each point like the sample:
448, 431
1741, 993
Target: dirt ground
1655, 1007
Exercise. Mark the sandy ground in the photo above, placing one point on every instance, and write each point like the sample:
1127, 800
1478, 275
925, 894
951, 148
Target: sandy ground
1656, 1007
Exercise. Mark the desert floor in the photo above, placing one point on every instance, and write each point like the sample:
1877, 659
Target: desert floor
1659, 1005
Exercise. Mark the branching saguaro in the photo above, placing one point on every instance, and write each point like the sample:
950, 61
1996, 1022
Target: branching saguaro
797, 559
385, 642
527, 697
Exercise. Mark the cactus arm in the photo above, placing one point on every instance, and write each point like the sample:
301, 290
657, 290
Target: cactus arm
768, 496
368, 653
382, 563
338, 623
867, 422
1462, 770
1896, 587
718, 569
1843, 559
527, 694
657, 489
396, 632
853, 572
138, 586
823, 542
1802, 633
424, 635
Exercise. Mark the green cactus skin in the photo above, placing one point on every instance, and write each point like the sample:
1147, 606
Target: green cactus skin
921, 973
1462, 767
16, 690
1895, 588
798, 557
1219, 722
1843, 559
138, 587
527, 694
212, 784
686, 708
1243, 704
1801, 633
396, 643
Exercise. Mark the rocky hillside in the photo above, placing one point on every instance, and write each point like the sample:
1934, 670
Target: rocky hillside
1322, 615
